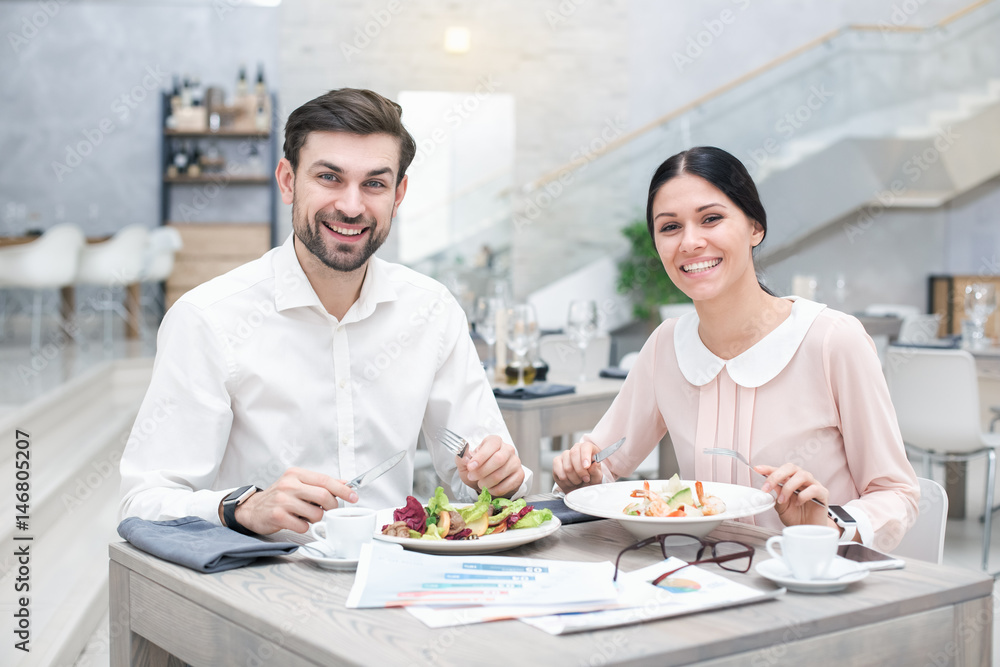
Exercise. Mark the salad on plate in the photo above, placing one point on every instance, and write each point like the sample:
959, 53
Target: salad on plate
440, 520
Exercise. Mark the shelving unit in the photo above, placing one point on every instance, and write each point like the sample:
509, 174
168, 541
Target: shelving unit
214, 247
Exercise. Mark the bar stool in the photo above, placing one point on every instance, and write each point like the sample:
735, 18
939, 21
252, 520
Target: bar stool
113, 265
48, 263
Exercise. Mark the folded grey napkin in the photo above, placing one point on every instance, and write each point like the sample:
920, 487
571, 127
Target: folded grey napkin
537, 390
198, 544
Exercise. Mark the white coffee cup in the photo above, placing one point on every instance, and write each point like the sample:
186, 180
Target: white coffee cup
806, 550
345, 530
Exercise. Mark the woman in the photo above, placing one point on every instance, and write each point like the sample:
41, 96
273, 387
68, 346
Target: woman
794, 386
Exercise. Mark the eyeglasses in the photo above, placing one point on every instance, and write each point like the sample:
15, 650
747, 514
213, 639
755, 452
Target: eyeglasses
730, 555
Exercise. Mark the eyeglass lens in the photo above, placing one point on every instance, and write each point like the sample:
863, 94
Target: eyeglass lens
690, 550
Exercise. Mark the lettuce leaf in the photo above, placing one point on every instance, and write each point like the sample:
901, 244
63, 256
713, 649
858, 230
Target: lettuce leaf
534, 518
438, 502
412, 514
479, 509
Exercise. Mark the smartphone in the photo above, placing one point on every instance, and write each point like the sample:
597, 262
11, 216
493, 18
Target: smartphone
868, 557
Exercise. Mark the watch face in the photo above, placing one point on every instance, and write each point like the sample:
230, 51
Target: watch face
240, 494
841, 514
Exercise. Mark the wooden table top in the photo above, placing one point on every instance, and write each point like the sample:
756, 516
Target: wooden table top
303, 605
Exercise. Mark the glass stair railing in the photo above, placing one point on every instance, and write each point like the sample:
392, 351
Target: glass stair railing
824, 131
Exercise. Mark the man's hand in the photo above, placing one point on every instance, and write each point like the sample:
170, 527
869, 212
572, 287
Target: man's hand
494, 465
572, 469
298, 498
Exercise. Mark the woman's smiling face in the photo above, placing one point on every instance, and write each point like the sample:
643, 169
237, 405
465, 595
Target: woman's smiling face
704, 240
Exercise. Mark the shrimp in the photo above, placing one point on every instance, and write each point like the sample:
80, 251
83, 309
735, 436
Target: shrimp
655, 505
713, 505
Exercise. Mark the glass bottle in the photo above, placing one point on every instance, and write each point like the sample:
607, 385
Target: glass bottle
513, 370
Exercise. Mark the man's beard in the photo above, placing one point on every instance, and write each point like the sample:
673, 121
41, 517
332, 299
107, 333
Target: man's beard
345, 256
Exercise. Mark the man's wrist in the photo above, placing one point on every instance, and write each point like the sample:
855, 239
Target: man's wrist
232, 502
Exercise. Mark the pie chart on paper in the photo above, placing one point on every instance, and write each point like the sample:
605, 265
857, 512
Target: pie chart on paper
679, 585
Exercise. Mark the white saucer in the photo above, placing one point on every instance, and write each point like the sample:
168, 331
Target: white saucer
318, 552
842, 573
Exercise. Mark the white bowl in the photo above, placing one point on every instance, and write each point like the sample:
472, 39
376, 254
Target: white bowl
608, 500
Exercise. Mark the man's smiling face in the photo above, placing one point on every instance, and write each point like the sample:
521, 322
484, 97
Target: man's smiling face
344, 196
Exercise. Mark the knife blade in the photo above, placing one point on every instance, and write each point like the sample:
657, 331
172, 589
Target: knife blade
376, 472
608, 451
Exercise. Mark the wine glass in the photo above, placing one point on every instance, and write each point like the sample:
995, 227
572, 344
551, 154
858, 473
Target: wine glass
980, 302
487, 309
522, 329
581, 325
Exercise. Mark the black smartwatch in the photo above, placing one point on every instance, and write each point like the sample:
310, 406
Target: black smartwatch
234, 500
842, 518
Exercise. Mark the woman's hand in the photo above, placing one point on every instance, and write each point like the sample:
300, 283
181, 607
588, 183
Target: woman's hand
571, 470
795, 509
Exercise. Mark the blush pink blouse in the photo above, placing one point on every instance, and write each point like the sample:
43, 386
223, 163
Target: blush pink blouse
811, 392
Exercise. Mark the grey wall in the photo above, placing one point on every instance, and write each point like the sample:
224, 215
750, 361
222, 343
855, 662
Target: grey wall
575, 67
85, 78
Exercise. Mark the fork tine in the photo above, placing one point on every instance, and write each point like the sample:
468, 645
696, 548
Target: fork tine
454, 442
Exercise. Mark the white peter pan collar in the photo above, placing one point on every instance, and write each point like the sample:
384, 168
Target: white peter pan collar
755, 367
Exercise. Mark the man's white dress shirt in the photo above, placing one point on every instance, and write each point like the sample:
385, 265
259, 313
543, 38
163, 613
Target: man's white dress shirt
253, 376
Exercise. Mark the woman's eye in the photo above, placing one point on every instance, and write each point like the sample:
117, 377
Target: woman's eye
712, 218
669, 227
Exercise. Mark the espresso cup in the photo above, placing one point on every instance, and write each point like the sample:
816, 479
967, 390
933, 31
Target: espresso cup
806, 550
345, 530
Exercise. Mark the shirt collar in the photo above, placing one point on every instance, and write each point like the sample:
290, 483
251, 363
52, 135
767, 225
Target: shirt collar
756, 366
293, 290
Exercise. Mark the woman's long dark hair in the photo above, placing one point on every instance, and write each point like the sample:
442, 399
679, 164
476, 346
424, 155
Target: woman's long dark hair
719, 168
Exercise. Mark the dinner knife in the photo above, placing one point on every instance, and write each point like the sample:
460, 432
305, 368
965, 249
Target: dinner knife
376, 472
608, 451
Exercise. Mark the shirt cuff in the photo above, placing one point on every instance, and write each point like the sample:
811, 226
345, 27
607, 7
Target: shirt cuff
205, 504
865, 530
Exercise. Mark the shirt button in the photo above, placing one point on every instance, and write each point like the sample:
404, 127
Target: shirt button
344, 440
343, 384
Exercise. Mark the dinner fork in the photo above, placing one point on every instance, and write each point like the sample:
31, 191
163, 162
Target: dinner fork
453, 441
723, 451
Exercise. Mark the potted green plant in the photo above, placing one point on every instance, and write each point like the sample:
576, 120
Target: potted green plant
641, 275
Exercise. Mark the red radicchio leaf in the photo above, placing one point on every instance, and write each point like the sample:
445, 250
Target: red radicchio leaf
460, 535
413, 514
517, 516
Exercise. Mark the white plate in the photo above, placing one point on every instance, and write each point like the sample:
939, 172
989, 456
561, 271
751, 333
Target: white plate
608, 500
484, 545
319, 552
842, 573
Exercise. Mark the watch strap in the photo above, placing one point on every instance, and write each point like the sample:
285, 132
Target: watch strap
229, 509
850, 528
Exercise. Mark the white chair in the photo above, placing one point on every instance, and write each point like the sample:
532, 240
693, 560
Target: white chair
563, 356
898, 310
49, 263
113, 265
917, 329
925, 539
936, 396
891, 309
158, 263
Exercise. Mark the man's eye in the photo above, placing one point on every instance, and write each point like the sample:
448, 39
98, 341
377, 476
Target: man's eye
327, 177
375, 184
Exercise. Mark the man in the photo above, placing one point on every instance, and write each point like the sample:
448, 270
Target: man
316, 362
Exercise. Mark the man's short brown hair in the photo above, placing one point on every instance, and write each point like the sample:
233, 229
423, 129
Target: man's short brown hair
351, 110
